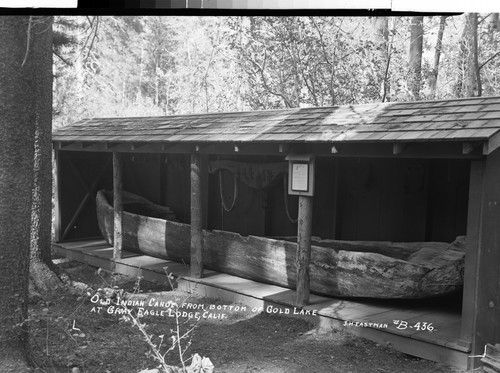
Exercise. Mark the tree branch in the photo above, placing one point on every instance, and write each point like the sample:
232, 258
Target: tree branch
96, 18
489, 60
28, 41
62, 58
261, 73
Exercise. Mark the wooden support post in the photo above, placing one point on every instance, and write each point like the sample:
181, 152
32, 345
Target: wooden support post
335, 193
204, 190
469, 308
57, 193
118, 206
304, 249
196, 217
480, 309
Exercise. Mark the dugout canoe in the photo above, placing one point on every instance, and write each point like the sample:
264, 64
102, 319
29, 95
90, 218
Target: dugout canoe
383, 270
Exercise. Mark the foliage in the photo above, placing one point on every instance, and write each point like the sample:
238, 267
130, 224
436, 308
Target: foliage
66, 334
159, 345
140, 66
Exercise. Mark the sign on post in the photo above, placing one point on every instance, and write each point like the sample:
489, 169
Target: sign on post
300, 174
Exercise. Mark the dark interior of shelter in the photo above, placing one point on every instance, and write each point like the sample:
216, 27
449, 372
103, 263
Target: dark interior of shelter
373, 199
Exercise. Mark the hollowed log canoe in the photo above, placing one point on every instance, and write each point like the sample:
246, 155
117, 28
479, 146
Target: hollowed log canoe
366, 269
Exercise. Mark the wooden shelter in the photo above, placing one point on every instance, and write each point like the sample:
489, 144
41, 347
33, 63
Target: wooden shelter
406, 171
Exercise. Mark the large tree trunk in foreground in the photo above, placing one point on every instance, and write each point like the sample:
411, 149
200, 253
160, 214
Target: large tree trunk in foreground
42, 273
17, 115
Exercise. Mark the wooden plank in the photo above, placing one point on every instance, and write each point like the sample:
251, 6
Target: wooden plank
492, 144
491, 360
84, 245
446, 330
303, 258
288, 297
260, 297
240, 285
351, 311
420, 149
117, 206
406, 315
414, 347
461, 133
196, 217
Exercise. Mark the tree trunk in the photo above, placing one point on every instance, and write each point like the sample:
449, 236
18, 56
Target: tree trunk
18, 101
42, 269
464, 86
475, 51
437, 55
416, 45
494, 26
381, 40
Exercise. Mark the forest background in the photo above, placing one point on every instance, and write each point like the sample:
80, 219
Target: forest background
152, 65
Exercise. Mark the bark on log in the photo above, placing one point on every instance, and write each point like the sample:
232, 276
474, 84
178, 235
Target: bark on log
335, 270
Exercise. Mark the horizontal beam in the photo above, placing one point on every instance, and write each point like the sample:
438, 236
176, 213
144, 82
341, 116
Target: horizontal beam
180, 148
424, 149
428, 150
492, 144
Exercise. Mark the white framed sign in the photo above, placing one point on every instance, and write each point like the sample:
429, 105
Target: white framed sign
301, 174
300, 177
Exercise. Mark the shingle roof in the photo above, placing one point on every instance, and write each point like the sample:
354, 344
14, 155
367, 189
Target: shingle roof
444, 120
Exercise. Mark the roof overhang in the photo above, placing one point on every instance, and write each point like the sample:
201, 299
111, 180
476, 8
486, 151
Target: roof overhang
417, 149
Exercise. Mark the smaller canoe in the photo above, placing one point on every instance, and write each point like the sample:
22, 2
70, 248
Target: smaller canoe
384, 270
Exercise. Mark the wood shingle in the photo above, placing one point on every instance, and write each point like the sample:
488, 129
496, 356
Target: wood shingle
443, 120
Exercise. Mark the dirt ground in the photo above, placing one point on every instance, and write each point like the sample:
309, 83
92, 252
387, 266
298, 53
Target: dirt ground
69, 333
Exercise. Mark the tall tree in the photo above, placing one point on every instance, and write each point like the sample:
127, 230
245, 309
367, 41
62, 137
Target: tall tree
494, 25
20, 73
42, 273
416, 47
382, 45
437, 56
465, 81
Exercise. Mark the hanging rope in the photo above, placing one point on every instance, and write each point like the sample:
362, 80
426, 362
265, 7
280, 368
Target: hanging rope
285, 197
235, 192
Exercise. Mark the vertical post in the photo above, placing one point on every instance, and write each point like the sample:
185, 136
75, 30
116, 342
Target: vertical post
335, 192
481, 310
469, 308
118, 206
204, 190
304, 249
196, 217
57, 195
